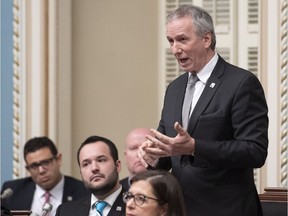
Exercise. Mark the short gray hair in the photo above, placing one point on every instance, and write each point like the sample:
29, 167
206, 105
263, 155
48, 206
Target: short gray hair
201, 19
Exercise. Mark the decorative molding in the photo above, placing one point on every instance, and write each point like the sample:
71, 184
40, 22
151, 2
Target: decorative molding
16, 89
284, 94
29, 77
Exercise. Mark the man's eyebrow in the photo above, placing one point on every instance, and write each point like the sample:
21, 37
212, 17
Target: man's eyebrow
37, 162
96, 158
85, 160
101, 157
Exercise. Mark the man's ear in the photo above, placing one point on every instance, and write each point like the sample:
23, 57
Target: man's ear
118, 165
59, 158
207, 39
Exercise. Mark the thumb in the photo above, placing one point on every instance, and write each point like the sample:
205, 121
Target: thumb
179, 128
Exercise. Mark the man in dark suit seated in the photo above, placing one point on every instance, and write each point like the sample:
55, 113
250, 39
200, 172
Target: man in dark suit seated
43, 162
99, 167
133, 140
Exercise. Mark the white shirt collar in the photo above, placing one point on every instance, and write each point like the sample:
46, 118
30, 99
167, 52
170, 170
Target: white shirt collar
206, 71
56, 191
110, 199
55, 198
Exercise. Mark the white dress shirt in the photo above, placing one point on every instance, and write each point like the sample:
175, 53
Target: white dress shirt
110, 200
203, 76
56, 195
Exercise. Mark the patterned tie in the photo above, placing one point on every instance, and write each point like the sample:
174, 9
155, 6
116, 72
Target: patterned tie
47, 196
188, 100
100, 205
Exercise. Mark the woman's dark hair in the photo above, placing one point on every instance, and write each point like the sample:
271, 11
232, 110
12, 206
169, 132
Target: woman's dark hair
166, 189
109, 143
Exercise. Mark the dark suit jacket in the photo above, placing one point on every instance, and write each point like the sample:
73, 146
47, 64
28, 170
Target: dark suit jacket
82, 207
229, 124
23, 192
125, 183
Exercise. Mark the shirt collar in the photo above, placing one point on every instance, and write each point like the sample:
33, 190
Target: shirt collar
110, 199
206, 71
54, 192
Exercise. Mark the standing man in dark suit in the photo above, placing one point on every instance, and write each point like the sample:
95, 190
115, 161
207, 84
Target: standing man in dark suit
134, 140
99, 167
226, 135
43, 162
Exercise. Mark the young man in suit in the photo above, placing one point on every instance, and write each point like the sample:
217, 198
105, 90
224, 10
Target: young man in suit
134, 139
223, 137
99, 167
43, 162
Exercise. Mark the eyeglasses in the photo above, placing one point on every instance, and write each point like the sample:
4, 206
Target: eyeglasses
139, 199
43, 163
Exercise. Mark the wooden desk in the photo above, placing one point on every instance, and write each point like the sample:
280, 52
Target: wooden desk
274, 201
274, 194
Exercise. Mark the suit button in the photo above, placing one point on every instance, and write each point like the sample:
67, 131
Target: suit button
183, 164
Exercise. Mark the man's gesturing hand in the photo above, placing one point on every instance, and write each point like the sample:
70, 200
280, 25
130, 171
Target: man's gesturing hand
161, 145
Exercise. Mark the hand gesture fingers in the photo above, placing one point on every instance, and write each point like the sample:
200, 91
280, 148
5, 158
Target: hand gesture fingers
144, 156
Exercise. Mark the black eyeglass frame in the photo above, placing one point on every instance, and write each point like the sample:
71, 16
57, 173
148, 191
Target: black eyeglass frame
128, 195
43, 163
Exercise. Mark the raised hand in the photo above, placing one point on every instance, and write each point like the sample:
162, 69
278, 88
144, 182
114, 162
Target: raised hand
161, 145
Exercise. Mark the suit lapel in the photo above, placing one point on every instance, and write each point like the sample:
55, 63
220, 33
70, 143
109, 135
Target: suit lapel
118, 207
211, 87
67, 192
84, 208
30, 190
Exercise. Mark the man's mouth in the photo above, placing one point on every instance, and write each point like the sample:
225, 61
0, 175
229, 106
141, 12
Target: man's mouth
138, 163
183, 60
44, 178
96, 177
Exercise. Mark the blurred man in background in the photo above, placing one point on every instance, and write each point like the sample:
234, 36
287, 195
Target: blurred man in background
46, 183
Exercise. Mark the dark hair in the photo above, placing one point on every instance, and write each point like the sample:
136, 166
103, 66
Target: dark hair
201, 19
93, 139
37, 143
166, 189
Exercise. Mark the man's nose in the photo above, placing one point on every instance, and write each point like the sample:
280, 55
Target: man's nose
41, 169
94, 165
176, 49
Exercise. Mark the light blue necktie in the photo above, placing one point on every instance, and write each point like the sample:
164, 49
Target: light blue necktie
100, 205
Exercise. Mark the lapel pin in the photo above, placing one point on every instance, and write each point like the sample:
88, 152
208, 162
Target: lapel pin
118, 208
212, 85
69, 198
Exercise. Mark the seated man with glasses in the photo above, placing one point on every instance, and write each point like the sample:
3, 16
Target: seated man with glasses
46, 184
154, 193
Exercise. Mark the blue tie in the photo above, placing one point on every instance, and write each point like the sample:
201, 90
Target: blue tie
100, 205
